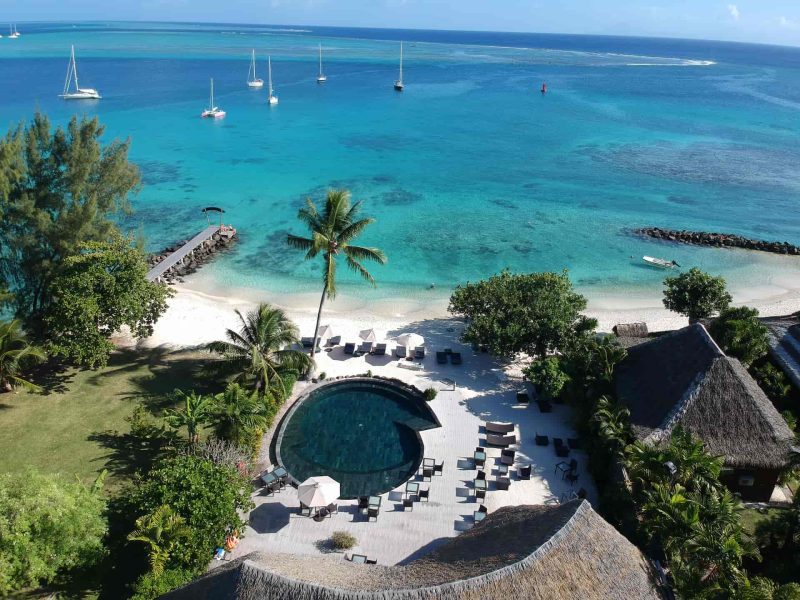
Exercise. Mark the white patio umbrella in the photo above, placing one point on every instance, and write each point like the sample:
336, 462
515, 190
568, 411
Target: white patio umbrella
318, 491
410, 340
368, 335
324, 332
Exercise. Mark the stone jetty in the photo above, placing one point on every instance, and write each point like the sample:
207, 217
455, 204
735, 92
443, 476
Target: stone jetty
717, 240
187, 256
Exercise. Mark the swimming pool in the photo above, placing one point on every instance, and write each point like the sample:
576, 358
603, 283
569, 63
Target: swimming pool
363, 432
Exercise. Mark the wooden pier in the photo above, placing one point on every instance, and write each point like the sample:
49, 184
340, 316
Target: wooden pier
209, 236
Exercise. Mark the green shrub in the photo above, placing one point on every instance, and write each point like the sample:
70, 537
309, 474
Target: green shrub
740, 334
151, 586
341, 540
772, 381
548, 375
430, 394
322, 376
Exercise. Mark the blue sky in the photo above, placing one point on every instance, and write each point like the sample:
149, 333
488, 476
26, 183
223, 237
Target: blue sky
768, 21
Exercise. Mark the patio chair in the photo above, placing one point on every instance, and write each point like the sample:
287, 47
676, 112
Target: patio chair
427, 473
400, 352
479, 515
481, 475
480, 449
332, 508
349, 348
322, 514
500, 440
523, 397
565, 467
424, 495
441, 358
507, 457
542, 440
305, 510
455, 358
438, 468
334, 341
498, 427
408, 503
371, 561
365, 348
525, 472
419, 352
479, 462
480, 495
503, 483
544, 406
372, 512
572, 477
363, 503
380, 350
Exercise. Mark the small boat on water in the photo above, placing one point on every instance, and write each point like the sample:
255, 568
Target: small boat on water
273, 99
660, 262
252, 80
544, 88
212, 112
14, 34
79, 93
398, 85
321, 78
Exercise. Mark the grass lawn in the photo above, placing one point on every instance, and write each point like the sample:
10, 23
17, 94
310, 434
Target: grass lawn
78, 426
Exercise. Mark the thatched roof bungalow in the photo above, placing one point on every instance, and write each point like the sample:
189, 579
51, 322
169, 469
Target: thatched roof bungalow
684, 378
533, 552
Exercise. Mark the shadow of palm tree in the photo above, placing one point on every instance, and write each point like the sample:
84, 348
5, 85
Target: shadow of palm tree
132, 453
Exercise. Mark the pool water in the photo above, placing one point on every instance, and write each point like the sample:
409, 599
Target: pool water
363, 433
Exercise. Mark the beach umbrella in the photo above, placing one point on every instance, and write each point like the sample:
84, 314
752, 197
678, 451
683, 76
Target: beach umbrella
368, 335
324, 332
318, 491
410, 340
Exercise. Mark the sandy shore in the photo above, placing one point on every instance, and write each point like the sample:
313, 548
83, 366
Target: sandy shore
196, 317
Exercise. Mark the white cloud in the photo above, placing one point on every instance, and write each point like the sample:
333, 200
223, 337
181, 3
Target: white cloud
789, 24
734, 10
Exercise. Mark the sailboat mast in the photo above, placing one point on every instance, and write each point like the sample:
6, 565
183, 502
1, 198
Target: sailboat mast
75, 69
211, 102
320, 59
253, 64
269, 64
401, 62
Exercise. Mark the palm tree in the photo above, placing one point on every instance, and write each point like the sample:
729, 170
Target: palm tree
332, 232
236, 412
193, 416
16, 353
261, 350
160, 531
612, 424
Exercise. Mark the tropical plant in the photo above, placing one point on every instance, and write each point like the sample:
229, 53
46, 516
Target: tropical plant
611, 421
761, 588
534, 313
547, 375
235, 412
261, 351
161, 532
772, 381
193, 416
332, 232
740, 334
151, 586
342, 540
696, 294
16, 353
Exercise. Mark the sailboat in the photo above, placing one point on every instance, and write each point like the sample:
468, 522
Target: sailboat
14, 34
398, 85
321, 78
273, 99
72, 77
212, 112
252, 80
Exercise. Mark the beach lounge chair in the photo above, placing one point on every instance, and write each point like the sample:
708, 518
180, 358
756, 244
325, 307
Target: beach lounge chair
544, 406
523, 397
380, 350
495, 427
334, 341
400, 352
500, 440
349, 348
365, 348
507, 457
455, 358
503, 483
372, 512
542, 440
441, 358
419, 352
525, 472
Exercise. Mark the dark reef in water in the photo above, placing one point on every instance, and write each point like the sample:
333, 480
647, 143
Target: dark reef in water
717, 240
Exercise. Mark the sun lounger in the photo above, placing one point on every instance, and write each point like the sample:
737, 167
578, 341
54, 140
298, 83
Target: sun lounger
455, 358
365, 348
334, 341
500, 440
523, 398
400, 352
507, 457
419, 352
349, 348
496, 427
441, 358
380, 350
525, 472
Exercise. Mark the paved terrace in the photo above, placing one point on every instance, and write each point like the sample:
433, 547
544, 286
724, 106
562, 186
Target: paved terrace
483, 392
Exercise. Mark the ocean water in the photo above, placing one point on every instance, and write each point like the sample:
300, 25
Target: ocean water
470, 170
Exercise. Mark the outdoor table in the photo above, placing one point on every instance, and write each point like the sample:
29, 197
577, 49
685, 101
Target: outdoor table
268, 478
280, 473
480, 484
412, 487
428, 463
359, 559
374, 502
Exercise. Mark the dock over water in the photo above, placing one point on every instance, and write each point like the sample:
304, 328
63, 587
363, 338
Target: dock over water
186, 252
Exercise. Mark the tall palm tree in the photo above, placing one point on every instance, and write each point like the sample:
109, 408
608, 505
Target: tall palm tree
193, 416
332, 232
236, 412
16, 353
160, 531
261, 350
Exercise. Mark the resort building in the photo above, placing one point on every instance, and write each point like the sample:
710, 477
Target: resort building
784, 345
532, 552
683, 378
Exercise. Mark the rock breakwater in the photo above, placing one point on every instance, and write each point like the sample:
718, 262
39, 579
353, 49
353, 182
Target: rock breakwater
718, 240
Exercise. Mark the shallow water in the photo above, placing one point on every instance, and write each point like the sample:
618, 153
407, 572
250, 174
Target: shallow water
468, 171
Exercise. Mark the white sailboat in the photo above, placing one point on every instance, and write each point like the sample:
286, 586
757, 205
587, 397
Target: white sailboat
13, 33
252, 80
398, 85
321, 78
78, 93
212, 112
273, 99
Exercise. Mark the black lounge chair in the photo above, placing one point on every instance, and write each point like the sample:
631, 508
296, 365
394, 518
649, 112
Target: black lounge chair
525, 472
544, 406
334, 341
424, 495
455, 358
438, 468
380, 350
365, 348
523, 397
542, 440
349, 348
400, 352
372, 512
441, 358
503, 483
408, 503
419, 352
507, 457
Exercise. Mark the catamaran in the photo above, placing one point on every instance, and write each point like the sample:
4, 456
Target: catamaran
252, 80
72, 77
398, 85
212, 112
273, 99
321, 78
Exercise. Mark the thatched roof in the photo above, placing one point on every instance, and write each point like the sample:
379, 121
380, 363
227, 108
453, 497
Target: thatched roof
631, 330
684, 378
533, 552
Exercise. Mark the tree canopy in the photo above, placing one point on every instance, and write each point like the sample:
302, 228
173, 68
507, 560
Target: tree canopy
16, 354
535, 313
740, 334
696, 294
96, 292
58, 190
